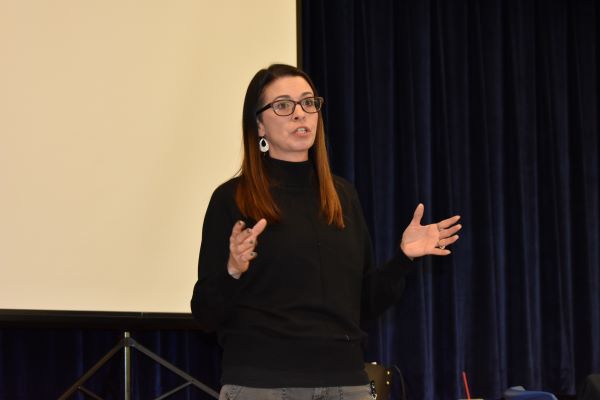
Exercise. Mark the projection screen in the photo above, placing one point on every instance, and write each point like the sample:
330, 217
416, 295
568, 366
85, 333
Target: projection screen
118, 119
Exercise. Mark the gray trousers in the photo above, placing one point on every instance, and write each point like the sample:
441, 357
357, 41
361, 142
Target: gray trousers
235, 392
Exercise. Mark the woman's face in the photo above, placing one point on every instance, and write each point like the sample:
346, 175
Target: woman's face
289, 136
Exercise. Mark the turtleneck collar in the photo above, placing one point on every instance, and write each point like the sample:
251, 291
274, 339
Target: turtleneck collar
289, 173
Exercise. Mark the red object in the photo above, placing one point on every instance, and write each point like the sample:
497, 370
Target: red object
464, 375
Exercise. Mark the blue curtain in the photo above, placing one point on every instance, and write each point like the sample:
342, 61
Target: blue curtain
488, 109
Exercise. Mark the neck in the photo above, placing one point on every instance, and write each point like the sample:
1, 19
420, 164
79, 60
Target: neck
294, 157
290, 173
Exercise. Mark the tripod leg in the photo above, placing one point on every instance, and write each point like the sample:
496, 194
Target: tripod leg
177, 389
174, 369
92, 370
127, 343
127, 365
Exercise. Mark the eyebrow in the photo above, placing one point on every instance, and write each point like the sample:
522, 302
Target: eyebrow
286, 96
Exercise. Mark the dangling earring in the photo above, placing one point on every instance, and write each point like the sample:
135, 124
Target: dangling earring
263, 145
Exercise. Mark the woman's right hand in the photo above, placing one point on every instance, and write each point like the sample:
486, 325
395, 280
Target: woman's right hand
241, 246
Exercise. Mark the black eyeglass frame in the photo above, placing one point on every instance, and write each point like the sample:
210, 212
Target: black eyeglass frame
270, 105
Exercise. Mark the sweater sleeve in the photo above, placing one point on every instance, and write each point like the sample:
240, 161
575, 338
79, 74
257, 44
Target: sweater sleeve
382, 285
215, 292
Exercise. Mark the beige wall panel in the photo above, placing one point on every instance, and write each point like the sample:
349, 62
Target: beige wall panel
117, 120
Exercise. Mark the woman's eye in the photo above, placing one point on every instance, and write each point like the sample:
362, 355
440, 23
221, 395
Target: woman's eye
282, 105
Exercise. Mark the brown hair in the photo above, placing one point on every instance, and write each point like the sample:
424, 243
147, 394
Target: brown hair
253, 195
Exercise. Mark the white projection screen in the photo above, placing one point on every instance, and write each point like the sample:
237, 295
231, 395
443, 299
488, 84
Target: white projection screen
118, 118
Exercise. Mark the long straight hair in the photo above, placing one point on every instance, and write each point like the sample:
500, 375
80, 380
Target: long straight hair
253, 195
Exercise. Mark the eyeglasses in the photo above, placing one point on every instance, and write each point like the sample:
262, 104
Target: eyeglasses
287, 107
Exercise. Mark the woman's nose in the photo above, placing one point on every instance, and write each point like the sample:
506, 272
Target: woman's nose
299, 112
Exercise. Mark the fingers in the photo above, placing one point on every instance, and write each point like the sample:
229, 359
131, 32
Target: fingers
237, 228
247, 236
446, 238
446, 233
249, 239
440, 252
447, 241
242, 243
244, 236
248, 255
444, 224
448, 222
418, 215
259, 227
434, 238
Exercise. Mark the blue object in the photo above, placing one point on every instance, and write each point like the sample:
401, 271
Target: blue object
519, 393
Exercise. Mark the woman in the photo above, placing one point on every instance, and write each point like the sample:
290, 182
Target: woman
285, 268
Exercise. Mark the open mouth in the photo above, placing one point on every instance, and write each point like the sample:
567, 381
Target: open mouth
302, 131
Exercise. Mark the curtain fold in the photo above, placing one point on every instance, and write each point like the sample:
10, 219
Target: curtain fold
488, 109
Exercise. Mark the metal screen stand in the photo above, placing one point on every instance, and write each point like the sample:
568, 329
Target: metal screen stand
127, 343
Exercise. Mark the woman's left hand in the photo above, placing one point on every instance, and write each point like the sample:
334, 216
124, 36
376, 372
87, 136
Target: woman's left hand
421, 240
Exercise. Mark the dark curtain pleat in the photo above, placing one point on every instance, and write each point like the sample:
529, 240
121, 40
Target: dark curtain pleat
488, 109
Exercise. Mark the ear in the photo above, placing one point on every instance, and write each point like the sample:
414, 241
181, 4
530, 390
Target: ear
261, 128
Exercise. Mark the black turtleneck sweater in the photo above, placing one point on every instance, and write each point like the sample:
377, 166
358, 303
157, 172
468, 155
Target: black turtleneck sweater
292, 320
